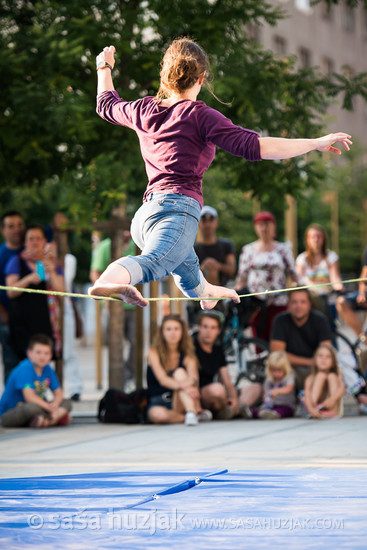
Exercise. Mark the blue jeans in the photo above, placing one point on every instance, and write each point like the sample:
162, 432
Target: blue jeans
164, 228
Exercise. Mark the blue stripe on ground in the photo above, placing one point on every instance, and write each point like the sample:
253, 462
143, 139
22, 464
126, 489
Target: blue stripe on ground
298, 509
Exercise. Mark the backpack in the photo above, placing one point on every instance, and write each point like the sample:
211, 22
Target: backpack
126, 408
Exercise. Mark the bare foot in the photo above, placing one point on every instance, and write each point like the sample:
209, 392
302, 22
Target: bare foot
126, 293
217, 292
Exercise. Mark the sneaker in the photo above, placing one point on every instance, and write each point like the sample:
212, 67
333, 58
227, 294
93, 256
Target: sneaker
65, 420
75, 397
38, 421
362, 407
269, 414
205, 416
191, 419
227, 413
245, 411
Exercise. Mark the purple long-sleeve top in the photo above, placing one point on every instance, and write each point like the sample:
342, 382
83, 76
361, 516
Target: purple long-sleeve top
178, 142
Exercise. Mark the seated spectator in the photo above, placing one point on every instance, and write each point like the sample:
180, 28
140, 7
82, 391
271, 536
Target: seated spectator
218, 396
324, 388
25, 401
279, 395
299, 331
32, 313
319, 265
264, 265
172, 376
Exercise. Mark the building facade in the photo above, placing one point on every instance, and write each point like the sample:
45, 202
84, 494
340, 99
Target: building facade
335, 40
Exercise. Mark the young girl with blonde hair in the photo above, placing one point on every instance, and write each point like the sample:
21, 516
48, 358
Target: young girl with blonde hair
279, 399
324, 388
178, 136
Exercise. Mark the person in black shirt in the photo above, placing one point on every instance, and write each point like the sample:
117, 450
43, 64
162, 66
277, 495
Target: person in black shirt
217, 256
218, 396
300, 331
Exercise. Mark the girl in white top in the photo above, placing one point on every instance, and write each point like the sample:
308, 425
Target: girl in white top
318, 265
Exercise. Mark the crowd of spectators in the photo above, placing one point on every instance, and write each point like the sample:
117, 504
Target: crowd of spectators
188, 378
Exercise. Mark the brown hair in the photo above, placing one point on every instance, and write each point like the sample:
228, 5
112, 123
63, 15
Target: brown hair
43, 339
185, 345
324, 248
334, 367
183, 63
278, 360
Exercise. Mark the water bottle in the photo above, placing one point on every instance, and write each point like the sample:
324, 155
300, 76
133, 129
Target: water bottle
40, 270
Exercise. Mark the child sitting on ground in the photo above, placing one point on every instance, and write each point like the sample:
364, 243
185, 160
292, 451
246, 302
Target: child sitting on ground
324, 388
24, 401
279, 395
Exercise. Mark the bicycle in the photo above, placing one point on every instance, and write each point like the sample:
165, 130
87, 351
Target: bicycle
248, 353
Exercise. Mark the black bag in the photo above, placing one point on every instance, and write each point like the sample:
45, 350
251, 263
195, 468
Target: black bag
126, 408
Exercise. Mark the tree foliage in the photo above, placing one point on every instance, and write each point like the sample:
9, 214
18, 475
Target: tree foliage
49, 131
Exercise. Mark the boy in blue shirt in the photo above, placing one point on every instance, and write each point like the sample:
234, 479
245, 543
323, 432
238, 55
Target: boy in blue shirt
24, 401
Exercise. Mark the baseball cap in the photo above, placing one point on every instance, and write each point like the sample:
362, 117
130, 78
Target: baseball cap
209, 211
264, 216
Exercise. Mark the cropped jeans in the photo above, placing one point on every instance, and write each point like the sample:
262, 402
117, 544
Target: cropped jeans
164, 228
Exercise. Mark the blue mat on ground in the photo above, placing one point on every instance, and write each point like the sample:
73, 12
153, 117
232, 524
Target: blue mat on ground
298, 509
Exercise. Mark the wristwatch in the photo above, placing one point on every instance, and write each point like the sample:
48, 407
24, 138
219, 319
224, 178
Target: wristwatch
103, 65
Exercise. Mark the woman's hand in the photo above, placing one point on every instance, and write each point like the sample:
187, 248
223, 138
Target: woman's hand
32, 279
193, 392
107, 55
324, 143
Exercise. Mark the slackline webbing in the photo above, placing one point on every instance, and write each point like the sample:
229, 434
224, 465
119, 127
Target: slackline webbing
177, 299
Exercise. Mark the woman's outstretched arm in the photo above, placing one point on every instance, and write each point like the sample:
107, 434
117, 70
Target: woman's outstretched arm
282, 148
105, 83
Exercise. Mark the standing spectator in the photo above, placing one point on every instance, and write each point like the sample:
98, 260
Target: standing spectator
12, 228
324, 388
299, 331
32, 313
217, 256
25, 401
264, 265
319, 265
101, 258
172, 376
218, 396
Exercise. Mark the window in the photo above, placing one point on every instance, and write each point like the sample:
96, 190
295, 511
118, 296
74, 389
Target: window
327, 12
253, 33
348, 18
303, 5
348, 72
280, 45
304, 56
327, 66
364, 24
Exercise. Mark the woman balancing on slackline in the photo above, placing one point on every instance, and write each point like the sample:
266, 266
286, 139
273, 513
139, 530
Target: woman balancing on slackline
178, 136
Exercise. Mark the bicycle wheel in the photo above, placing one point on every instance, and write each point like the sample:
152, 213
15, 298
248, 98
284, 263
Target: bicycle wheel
252, 355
